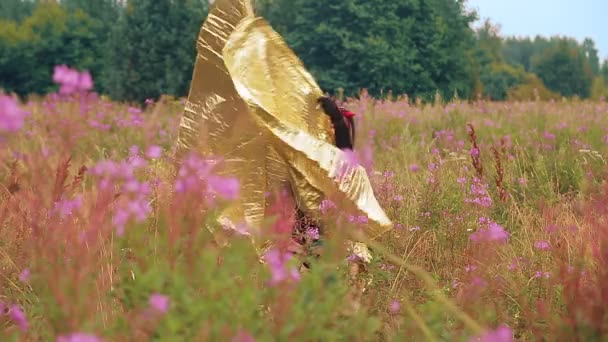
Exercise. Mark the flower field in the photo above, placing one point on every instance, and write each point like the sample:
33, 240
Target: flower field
500, 212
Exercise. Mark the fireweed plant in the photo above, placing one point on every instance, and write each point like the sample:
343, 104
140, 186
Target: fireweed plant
499, 209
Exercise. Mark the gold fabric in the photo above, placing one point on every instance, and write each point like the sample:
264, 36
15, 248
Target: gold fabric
215, 120
253, 103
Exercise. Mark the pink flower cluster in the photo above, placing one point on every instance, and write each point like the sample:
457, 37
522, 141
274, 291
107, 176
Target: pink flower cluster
135, 201
159, 303
542, 245
134, 118
66, 207
71, 80
478, 194
312, 233
277, 262
489, 231
501, 334
16, 315
327, 206
362, 219
195, 176
12, 118
78, 337
541, 274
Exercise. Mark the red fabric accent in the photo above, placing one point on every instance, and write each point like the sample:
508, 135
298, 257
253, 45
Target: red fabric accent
346, 112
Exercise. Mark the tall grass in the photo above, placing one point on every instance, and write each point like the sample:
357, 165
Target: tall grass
500, 213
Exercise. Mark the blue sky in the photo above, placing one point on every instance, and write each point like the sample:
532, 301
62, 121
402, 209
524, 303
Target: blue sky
574, 18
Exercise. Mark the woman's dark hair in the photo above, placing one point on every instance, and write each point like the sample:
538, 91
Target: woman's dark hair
344, 126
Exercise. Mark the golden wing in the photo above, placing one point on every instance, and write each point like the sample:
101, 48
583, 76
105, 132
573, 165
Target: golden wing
216, 121
214, 113
282, 96
253, 103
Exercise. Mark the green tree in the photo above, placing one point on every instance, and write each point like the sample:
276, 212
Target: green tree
490, 42
591, 54
407, 46
604, 71
104, 14
516, 51
564, 69
151, 49
599, 88
522, 51
50, 36
499, 78
16, 10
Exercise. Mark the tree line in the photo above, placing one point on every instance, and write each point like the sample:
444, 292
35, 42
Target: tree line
140, 49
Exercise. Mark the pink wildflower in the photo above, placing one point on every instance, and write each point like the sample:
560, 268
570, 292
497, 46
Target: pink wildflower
479, 282
313, 233
227, 188
18, 316
71, 80
191, 173
134, 150
154, 152
326, 206
501, 334
277, 262
551, 228
491, 232
474, 152
134, 110
470, 268
572, 228
65, 207
353, 258
395, 307
542, 245
24, 276
362, 219
86, 81
548, 136
159, 303
11, 116
479, 194
78, 337
243, 337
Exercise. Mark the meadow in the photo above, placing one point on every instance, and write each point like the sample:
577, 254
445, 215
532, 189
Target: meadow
500, 212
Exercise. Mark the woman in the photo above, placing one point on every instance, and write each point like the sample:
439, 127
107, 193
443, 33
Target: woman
307, 231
